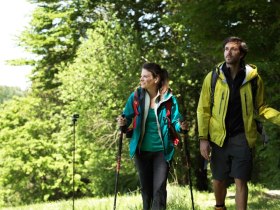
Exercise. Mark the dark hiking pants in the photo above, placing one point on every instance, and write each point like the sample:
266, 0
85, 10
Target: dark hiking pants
153, 171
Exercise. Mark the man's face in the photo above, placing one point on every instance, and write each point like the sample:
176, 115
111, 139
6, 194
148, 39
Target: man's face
232, 53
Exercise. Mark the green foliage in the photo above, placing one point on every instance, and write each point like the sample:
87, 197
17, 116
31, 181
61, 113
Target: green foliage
91, 87
107, 57
53, 35
7, 93
267, 159
33, 164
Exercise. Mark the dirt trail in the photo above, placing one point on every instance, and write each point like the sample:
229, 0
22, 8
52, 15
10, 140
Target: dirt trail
273, 194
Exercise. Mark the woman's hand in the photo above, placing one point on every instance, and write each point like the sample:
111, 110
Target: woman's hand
184, 125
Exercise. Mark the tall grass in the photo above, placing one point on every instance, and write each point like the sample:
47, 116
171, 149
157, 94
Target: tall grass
178, 199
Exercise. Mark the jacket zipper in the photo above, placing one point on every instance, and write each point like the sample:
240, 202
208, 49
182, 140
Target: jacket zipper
246, 105
220, 108
158, 124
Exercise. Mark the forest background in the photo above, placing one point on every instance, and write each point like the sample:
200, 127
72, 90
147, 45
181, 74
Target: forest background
87, 60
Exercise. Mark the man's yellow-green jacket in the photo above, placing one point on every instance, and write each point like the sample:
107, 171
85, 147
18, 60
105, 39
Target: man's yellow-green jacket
213, 122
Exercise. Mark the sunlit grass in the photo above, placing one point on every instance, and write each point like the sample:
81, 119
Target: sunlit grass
178, 199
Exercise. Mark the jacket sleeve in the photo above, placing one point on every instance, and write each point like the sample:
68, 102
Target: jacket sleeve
128, 110
264, 111
203, 109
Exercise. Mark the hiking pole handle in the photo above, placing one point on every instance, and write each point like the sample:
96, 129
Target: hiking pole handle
181, 120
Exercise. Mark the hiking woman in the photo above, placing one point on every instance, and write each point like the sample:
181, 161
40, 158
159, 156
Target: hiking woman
152, 109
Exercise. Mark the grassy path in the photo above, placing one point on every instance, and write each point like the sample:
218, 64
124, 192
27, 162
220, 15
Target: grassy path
178, 199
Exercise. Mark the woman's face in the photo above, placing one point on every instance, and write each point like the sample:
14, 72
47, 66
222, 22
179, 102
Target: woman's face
147, 80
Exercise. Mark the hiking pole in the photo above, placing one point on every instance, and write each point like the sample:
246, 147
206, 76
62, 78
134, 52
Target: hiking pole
74, 120
122, 128
188, 157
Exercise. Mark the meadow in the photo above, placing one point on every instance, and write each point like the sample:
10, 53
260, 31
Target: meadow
178, 199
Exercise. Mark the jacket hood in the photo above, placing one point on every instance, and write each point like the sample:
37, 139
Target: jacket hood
167, 94
251, 72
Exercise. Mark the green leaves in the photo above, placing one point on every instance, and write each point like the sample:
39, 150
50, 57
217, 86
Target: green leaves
7, 93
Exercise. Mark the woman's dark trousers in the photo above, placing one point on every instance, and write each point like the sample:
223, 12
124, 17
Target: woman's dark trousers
153, 171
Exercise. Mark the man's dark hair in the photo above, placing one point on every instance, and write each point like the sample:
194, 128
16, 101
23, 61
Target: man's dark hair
242, 45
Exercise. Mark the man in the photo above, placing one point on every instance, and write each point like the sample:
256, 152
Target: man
227, 126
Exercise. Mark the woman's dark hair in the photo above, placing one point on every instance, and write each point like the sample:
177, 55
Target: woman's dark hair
242, 45
156, 70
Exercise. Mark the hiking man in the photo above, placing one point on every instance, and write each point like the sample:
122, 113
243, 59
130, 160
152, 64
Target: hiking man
226, 124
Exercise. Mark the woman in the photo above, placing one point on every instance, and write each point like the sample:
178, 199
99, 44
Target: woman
151, 144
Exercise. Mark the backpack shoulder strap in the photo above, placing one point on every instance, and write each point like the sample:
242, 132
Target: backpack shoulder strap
168, 106
135, 106
213, 85
136, 102
254, 87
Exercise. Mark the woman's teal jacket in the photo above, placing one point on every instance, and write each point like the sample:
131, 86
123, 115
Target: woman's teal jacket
162, 121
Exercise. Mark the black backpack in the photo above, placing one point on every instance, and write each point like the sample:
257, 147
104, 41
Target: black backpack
254, 86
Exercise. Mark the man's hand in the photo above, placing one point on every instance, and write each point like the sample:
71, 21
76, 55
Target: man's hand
205, 149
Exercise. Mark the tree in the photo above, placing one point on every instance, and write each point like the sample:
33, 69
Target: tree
96, 86
33, 161
7, 93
